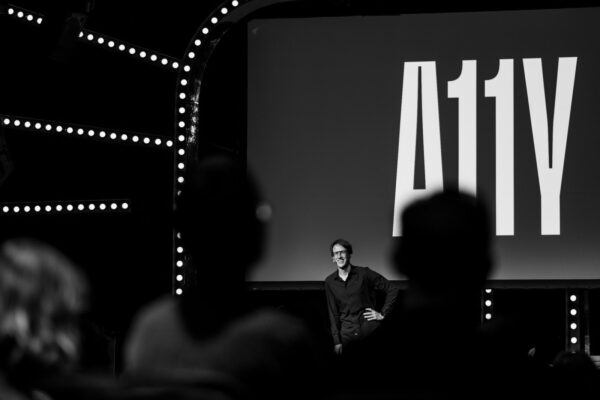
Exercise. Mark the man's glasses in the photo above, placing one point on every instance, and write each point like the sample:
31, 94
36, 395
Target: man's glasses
339, 253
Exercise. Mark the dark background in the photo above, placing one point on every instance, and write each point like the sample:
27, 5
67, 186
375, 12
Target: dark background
128, 255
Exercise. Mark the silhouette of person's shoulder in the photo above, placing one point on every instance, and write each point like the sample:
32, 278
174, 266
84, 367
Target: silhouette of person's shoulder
262, 349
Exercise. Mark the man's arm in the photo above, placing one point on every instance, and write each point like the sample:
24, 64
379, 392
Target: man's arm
382, 285
334, 316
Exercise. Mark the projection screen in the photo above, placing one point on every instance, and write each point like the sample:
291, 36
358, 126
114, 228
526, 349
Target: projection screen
350, 118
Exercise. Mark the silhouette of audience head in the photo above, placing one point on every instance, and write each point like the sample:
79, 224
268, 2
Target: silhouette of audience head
445, 243
211, 336
222, 223
576, 376
220, 216
574, 362
41, 297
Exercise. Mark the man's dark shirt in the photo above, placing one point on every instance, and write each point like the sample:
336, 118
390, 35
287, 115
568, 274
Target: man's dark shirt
347, 300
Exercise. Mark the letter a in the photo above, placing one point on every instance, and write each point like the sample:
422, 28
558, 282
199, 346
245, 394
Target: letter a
407, 143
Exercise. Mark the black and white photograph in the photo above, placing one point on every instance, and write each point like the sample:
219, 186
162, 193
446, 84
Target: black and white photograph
299, 199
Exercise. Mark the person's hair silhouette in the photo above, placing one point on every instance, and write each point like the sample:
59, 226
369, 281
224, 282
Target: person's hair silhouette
211, 336
42, 295
446, 243
445, 252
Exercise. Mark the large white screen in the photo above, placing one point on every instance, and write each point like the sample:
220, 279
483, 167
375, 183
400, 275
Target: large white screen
324, 109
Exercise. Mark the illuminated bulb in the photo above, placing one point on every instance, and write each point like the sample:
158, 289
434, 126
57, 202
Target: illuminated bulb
573, 297
187, 68
26, 209
91, 132
92, 207
214, 20
178, 235
191, 54
5, 209
488, 291
180, 250
90, 37
180, 263
6, 121
181, 138
48, 127
180, 179
182, 96
30, 17
123, 137
113, 206
27, 124
102, 206
100, 40
573, 326
573, 340
121, 47
181, 110
39, 21
59, 208
17, 122
81, 34
181, 152
142, 54
69, 130
146, 140
183, 82
37, 208
175, 65
205, 31
180, 165
179, 292
125, 206
80, 131
179, 278
11, 11
153, 57
488, 316
113, 135
488, 303
38, 125
158, 142
181, 124
573, 311
135, 139
69, 207
164, 61
223, 10
48, 208
111, 44
59, 128
16, 209
131, 51
20, 14
102, 134
80, 207
197, 42
235, 3
169, 143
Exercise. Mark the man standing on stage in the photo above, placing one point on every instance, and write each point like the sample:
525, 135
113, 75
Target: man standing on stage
352, 294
